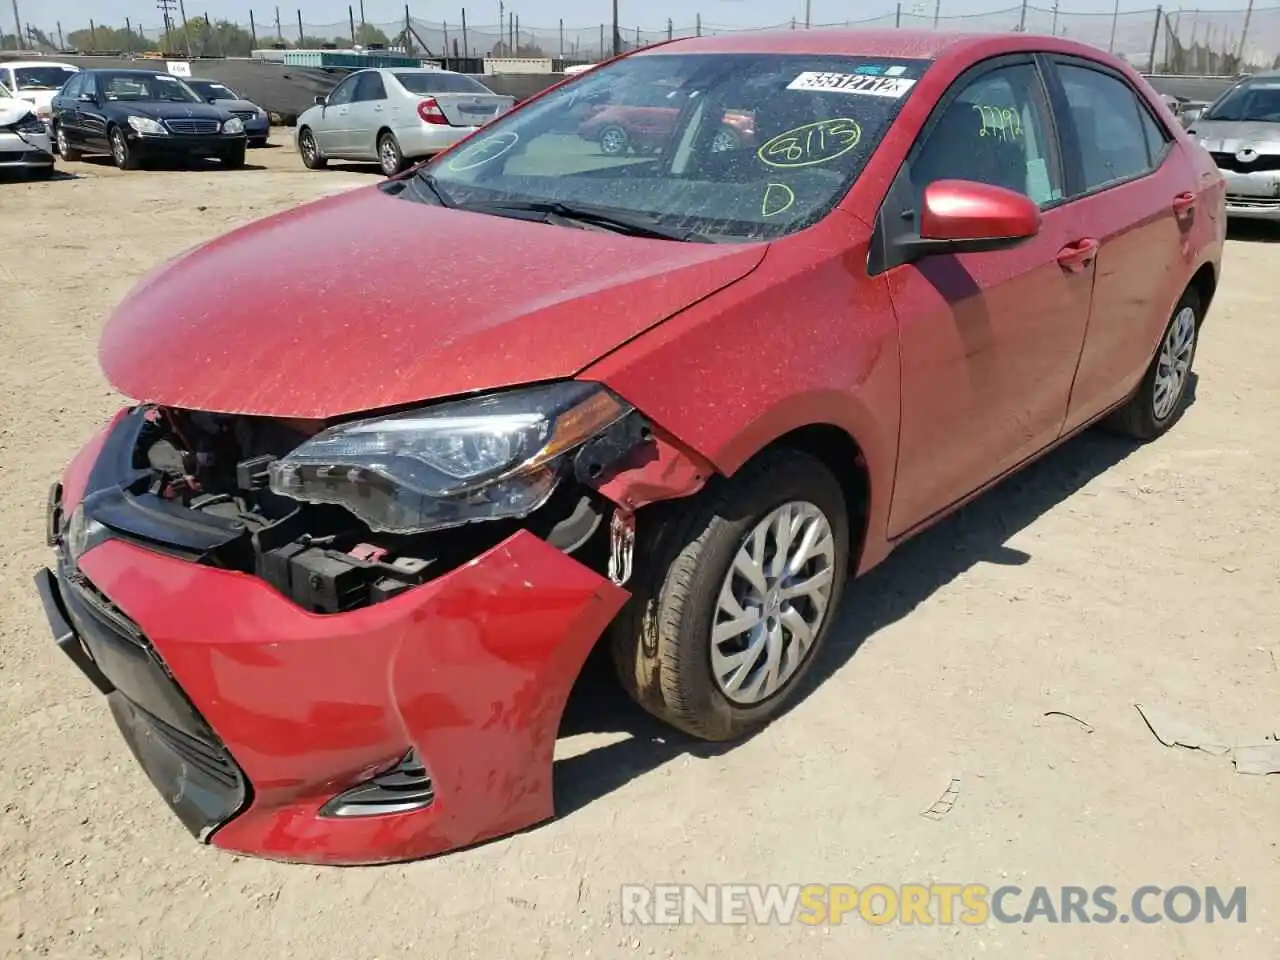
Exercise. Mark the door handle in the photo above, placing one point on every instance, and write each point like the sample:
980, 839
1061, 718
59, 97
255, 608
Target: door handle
1077, 256
377, 106
1184, 203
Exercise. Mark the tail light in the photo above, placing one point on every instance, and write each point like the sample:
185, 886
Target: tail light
430, 112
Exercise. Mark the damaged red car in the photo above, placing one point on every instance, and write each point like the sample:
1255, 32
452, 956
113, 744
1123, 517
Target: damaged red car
401, 458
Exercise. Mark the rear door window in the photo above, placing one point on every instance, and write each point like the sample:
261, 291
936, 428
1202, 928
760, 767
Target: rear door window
1114, 145
370, 87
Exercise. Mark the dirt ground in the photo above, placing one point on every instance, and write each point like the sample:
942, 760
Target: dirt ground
1102, 577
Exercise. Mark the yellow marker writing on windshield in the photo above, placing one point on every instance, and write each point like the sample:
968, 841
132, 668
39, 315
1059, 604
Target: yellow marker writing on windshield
778, 198
811, 143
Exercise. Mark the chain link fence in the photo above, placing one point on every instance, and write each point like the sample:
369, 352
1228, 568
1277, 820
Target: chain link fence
1197, 42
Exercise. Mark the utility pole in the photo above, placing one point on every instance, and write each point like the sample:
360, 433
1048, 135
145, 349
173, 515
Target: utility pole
300, 33
1022, 17
562, 38
166, 8
1055, 18
1115, 16
466, 50
937, 12
670, 29
617, 37
351, 22
807, 6
1248, 15
182, 12
17, 28
362, 20
61, 43
279, 32
1155, 35
253, 30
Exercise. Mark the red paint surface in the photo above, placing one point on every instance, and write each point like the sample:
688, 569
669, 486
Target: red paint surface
473, 669
962, 210
362, 301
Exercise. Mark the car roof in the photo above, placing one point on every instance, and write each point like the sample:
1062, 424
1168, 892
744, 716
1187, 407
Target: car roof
130, 70
37, 63
905, 44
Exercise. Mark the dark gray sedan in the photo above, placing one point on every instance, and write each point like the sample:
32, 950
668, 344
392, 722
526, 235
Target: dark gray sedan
257, 124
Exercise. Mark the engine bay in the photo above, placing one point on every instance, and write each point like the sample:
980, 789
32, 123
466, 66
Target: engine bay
197, 484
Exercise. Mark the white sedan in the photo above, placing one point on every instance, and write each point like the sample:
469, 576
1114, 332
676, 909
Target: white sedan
395, 116
24, 140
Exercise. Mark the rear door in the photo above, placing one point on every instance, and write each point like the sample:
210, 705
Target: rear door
1134, 192
989, 341
91, 116
368, 114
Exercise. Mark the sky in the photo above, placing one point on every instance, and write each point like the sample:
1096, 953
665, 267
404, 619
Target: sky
650, 15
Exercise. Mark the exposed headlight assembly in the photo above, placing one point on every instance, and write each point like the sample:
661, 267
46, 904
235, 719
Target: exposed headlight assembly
147, 125
499, 455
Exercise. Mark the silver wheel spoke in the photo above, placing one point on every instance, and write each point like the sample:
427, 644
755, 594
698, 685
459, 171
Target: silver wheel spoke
773, 602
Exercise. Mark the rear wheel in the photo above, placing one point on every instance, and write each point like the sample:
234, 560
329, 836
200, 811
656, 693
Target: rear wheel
390, 159
613, 141
309, 150
734, 595
725, 139
124, 156
1161, 396
65, 149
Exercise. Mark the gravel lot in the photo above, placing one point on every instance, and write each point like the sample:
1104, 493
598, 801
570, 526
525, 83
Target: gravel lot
1103, 577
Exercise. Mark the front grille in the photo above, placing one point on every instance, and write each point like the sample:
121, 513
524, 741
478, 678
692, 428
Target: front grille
104, 614
1257, 203
193, 127
245, 114
1263, 163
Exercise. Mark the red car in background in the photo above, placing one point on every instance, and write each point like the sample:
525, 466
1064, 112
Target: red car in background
646, 125
338, 567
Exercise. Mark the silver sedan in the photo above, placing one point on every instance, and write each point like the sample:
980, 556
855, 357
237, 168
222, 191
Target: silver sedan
1242, 132
395, 116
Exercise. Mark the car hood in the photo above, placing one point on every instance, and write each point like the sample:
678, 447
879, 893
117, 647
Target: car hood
364, 300
235, 105
1228, 136
37, 98
161, 110
12, 110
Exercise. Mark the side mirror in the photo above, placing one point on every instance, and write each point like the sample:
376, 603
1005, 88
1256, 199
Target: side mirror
1191, 115
87, 98
961, 216
320, 101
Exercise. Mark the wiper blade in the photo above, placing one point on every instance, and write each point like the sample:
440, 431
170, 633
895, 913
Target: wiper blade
429, 180
629, 224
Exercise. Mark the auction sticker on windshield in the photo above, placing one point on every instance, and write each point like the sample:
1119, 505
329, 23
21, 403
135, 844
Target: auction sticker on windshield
866, 84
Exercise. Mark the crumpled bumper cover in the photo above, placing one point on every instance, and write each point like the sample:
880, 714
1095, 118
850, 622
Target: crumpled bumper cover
471, 671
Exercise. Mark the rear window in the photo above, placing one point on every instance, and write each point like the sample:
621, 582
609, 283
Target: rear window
431, 82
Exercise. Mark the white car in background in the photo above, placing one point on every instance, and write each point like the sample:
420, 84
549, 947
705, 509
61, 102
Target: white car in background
395, 116
36, 81
24, 139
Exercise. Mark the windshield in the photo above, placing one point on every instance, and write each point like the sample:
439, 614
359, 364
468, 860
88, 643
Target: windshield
431, 82
42, 78
730, 146
1253, 100
213, 91
146, 86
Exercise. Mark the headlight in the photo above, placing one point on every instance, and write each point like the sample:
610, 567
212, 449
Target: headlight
146, 125
234, 125
494, 456
79, 534
262, 114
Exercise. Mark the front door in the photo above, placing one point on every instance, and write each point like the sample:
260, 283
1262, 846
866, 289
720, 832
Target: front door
368, 116
989, 341
332, 129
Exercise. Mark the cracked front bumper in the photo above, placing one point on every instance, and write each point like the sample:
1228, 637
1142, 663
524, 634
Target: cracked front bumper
250, 714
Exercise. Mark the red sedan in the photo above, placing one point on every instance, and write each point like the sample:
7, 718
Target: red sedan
383, 490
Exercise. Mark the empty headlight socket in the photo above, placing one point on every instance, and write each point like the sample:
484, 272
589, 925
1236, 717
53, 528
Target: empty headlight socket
595, 457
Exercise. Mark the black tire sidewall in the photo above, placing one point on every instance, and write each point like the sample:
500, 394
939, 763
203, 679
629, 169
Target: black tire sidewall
126, 161
626, 141
314, 161
399, 165
752, 495
1148, 424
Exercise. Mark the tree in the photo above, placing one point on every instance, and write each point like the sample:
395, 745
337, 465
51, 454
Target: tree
219, 39
367, 33
524, 51
103, 39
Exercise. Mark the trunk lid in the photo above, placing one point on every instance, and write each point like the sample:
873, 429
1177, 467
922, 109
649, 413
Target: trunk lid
472, 109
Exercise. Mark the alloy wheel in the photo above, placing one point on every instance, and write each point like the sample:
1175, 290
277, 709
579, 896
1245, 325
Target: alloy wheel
613, 141
1174, 364
724, 140
773, 602
63, 146
389, 156
307, 144
119, 151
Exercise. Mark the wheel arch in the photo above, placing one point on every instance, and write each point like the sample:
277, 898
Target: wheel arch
1205, 282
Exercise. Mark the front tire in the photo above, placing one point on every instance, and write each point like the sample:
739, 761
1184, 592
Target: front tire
65, 150
122, 154
390, 157
734, 595
1162, 395
233, 159
309, 150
